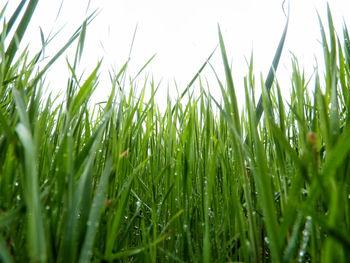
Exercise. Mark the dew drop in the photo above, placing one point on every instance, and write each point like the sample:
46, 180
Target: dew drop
267, 241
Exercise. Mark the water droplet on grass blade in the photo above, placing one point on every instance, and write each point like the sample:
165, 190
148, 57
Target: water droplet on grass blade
267, 241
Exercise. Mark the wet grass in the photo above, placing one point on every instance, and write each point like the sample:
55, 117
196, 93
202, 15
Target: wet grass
199, 182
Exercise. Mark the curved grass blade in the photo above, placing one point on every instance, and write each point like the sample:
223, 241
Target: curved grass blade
22, 27
76, 34
13, 18
194, 78
95, 214
36, 234
232, 107
271, 75
143, 67
135, 251
79, 207
124, 199
338, 154
293, 241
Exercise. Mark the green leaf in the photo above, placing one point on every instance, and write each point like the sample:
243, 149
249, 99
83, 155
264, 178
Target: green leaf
338, 154
5, 255
95, 213
36, 234
22, 27
271, 75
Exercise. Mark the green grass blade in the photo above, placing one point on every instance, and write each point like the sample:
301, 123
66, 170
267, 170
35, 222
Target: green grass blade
85, 92
13, 18
194, 78
36, 233
271, 75
63, 49
95, 213
5, 255
143, 67
232, 108
338, 154
264, 187
22, 27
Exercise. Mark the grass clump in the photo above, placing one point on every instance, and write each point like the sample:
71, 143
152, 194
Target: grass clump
199, 182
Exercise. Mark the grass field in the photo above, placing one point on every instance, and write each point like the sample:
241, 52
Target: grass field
122, 181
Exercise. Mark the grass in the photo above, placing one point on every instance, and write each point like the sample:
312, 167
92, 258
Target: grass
200, 182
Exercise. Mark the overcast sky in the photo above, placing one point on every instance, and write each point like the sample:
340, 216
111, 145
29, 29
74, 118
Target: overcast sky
183, 33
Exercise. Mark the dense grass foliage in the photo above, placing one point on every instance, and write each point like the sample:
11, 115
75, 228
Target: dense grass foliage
199, 182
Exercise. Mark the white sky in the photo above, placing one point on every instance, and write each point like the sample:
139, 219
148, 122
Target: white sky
183, 33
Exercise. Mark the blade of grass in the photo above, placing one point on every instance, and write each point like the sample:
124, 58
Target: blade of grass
271, 74
22, 27
95, 213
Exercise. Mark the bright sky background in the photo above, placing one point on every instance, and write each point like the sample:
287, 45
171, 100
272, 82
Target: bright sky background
183, 33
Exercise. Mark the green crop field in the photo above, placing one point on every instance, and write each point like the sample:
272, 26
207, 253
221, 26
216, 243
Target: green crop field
202, 181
